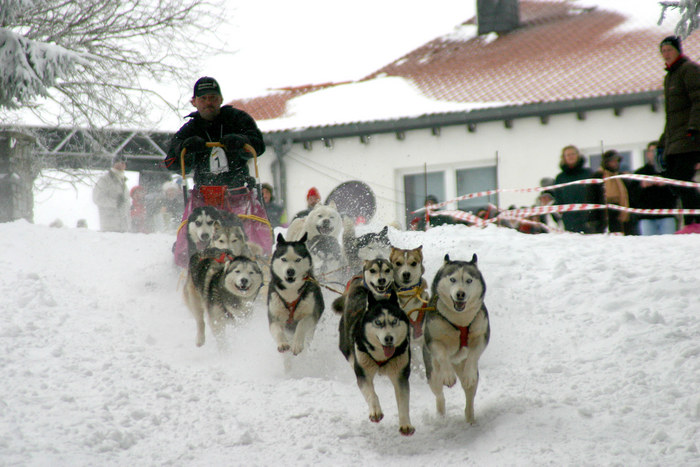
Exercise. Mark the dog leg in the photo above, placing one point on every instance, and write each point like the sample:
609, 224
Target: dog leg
366, 384
469, 377
402, 392
217, 323
197, 312
278, 334
442, 367
304, 331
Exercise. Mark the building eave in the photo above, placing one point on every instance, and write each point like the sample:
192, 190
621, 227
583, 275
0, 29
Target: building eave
507, 113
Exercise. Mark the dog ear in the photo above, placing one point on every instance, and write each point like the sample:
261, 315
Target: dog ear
332, 204
280, 238
473, 261
304, 237
447, 258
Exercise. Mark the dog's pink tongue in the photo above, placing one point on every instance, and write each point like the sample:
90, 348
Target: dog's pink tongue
388, 351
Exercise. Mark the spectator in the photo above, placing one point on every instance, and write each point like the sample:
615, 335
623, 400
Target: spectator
611, 191
112, 197
422, 220
138, 209
275, 211
313, 197
680, 142
653, 195
546, 198
572, 170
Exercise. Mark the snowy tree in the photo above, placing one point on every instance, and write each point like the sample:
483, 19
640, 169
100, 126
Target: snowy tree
99, 61
688, 21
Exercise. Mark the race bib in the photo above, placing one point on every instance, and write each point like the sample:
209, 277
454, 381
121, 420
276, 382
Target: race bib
218, 162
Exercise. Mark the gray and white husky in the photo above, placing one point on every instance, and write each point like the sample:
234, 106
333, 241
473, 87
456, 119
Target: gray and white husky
376, 340
457, 331
294, 299
223, 287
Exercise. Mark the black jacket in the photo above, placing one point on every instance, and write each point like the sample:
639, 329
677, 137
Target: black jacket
682, 102
208, 170
651, 197
574, 221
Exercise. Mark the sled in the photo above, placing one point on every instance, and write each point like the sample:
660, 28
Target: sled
245, 202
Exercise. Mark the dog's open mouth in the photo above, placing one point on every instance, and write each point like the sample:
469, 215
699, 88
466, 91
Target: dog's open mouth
389, 350
459, 306
381, 288
243, 287
325, 229
290, 279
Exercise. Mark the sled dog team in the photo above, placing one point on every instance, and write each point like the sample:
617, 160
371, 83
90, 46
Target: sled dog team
385, 311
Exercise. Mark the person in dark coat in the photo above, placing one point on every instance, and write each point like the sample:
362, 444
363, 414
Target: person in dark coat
212, 122
653, 195
680, 142
275, 211
572, 170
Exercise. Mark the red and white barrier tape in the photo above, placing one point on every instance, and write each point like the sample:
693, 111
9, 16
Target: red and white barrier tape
588, 181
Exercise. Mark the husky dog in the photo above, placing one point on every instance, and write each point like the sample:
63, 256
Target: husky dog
328, 259
322, 220
377, 279
294, 299
368, 246
412, 289
457, 332
223, 286
230, 237
376, 340
200, 228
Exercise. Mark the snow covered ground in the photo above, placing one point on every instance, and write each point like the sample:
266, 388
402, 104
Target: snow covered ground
594, 360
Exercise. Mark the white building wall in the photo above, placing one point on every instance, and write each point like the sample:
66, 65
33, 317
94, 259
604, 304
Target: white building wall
524, 153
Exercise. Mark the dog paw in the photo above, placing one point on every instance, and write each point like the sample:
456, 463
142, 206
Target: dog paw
283, 348
449, 380
199, 341
376, 417
407, 430
296, 349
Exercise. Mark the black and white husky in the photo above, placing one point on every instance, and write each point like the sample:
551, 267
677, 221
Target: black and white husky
200, 228
375, 340
456, 332
377, 279
294, 299
368, 246
223, 287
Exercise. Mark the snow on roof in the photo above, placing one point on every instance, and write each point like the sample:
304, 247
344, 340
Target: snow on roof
382, 98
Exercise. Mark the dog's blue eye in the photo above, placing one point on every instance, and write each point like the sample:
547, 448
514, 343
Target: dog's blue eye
297, 260
394, 322
379, 323
453, 280
469, 281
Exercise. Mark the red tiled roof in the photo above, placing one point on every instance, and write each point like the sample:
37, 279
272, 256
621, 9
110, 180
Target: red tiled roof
559, 52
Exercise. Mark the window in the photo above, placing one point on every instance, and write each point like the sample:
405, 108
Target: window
472, 181
415, 186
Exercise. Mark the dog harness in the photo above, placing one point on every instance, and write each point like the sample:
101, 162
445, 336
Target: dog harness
292, 307
416, 324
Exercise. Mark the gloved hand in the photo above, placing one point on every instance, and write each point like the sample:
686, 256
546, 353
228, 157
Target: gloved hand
250, 181
194, 144
660, 162
233, 141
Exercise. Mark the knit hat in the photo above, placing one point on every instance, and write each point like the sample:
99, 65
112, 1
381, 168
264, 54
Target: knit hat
206, 85
673, 41
313, 191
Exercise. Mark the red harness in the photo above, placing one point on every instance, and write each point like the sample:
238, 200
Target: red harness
291, 308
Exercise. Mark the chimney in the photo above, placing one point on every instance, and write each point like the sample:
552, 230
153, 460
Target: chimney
499, 16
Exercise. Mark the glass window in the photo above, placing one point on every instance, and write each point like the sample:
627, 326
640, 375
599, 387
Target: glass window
472, 181
415, 186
